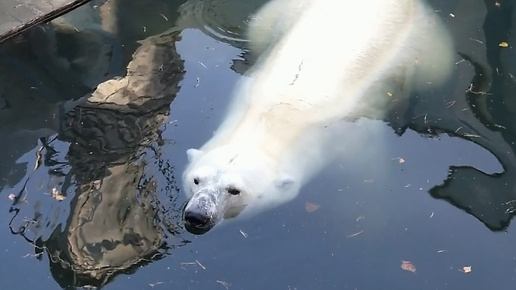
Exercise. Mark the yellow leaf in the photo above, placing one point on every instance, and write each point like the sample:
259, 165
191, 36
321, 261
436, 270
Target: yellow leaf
503, 44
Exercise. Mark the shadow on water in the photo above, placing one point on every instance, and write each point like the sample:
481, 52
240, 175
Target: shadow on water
484, 114
85, 168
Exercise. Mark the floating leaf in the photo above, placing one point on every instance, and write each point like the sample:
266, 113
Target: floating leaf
408, 266
503, 44
311, 207
466, 269
56, 195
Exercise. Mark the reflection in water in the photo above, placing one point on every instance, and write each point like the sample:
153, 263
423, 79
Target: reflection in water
106, 158
110, 169
222, 20
225, 21
38, 82
485, 115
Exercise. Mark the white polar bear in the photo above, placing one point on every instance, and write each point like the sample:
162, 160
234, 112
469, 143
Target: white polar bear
319, 62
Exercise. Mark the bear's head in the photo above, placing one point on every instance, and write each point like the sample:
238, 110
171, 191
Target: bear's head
221, 183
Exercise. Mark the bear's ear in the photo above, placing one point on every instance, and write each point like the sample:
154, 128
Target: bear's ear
192, 154
284, 182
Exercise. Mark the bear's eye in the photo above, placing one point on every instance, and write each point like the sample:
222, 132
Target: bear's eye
196, 181
233, 191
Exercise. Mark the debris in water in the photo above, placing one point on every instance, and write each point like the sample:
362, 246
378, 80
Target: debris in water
225, 284
408, 266
38, 157
200, 265
56, 195
194, 263
466, 269
155, 284
355, 234
311, 207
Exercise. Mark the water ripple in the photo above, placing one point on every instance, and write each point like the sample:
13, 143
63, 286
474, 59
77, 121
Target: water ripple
224, 20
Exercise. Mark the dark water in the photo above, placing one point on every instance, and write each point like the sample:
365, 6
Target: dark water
89, 190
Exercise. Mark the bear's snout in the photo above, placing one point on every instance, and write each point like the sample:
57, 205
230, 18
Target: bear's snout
197, 222
204, 210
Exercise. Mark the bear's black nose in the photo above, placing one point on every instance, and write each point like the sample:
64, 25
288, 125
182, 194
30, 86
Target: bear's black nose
196, 219
197, 222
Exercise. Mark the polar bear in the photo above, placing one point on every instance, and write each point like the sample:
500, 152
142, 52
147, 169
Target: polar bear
319, 62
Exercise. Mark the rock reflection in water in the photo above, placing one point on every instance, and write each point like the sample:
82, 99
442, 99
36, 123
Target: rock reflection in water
110, 173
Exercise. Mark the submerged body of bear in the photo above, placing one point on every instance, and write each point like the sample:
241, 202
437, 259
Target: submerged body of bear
319, 61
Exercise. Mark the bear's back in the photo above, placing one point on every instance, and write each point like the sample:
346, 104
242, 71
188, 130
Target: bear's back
320, 59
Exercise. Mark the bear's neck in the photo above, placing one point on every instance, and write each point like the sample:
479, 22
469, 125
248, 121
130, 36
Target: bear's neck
287, 148
271, 135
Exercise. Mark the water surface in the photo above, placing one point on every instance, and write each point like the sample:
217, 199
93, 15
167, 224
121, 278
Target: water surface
90, 192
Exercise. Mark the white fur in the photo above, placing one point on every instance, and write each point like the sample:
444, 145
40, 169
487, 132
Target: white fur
319, 61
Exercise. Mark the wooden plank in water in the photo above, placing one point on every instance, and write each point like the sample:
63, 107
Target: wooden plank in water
17, 16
